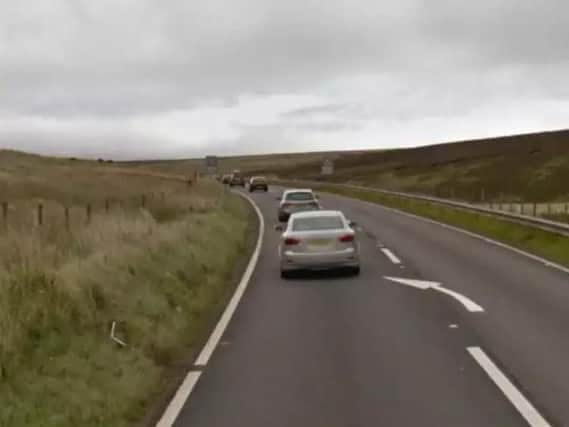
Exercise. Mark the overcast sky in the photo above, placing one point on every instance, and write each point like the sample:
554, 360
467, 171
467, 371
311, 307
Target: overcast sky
154, 78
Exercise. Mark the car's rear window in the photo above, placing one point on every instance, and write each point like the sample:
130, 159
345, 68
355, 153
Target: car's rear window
300, 196
259, 180
317, 223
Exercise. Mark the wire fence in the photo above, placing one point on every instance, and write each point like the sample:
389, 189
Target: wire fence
38, 214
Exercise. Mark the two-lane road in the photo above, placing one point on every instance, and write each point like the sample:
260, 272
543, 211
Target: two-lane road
326, 351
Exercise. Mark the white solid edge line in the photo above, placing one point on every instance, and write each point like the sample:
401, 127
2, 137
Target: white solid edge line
177, 403
464, 300
391, 256
468, 233
214, 338
524, 406
181, 396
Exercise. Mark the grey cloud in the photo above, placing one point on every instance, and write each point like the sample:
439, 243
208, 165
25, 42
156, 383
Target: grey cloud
112, 62
307, 112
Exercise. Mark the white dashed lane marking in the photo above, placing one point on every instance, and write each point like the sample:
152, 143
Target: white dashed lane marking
391, 256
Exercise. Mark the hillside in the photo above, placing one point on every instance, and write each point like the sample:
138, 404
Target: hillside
529, 167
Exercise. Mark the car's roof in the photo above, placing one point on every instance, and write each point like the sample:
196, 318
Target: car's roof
298, 190
316, 213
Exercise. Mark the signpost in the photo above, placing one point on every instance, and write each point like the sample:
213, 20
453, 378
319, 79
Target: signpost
327, 167
211, 165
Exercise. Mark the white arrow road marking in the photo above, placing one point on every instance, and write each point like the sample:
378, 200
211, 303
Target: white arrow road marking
424, 285
419, 284
524, 406
465, 301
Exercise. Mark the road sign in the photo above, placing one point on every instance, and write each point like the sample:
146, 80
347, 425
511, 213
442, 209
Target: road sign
327, 167
211, 165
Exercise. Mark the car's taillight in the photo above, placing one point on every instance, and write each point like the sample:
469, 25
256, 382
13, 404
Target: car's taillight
291, 241
346, 238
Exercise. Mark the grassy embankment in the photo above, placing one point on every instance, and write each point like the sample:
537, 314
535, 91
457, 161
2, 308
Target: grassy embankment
521, 168
162, 273
548, 245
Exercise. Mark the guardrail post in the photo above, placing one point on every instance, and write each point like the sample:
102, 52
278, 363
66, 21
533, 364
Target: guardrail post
566, 208
482, 194
89, 213
534, 209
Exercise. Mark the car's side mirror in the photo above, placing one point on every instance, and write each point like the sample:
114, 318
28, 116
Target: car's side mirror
279, 227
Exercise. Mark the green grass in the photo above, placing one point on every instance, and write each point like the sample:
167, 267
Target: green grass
545, 244
164, 273
163, 282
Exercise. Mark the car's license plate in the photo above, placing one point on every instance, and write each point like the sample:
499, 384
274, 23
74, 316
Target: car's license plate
320, 244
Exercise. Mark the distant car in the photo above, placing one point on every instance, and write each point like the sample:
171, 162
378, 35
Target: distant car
258, 183
297, 200
237, 179
318, 240
226, 179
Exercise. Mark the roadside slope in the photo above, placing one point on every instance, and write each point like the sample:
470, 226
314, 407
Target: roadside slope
162, 273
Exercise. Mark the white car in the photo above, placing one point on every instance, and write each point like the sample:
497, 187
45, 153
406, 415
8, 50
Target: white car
318, 240
296, 200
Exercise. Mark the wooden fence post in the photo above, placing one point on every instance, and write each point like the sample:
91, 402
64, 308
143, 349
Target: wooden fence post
5, 214
40, 214
534, 209
88, 211
66, 214
107, 205
143, 201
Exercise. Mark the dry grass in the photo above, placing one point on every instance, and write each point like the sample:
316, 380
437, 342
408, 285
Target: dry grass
162, 272
529, 168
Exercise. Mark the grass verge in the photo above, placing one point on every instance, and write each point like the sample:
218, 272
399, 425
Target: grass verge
162, 274
543, 243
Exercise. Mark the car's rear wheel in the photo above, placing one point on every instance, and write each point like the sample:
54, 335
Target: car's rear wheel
285, 274
355, 270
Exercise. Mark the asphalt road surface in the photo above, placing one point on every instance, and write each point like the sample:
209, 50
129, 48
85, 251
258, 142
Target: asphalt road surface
485, 342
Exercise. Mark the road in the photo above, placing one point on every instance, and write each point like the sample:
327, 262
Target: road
334, 350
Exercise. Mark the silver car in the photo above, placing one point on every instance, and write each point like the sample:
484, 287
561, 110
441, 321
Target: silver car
318, 240
296, 200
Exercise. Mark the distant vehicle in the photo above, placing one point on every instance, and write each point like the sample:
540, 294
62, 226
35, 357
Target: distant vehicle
297, 200
237, 179
258, 183
318, 240
226, 179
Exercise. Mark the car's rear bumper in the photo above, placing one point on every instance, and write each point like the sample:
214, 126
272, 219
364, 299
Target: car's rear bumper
258, 187
319, 261
284, 215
